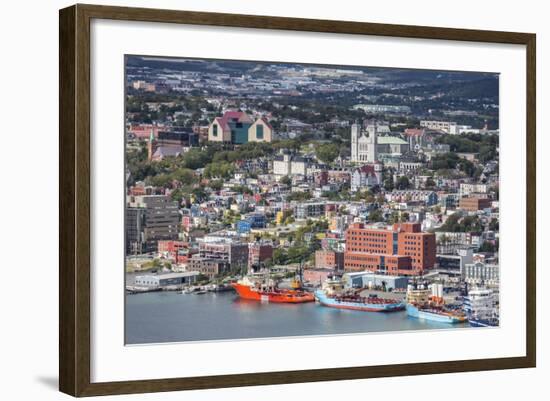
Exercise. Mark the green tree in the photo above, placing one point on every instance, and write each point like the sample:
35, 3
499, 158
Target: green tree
388, 184
286, 180
376, 216
430, 183
327, 152
185, 176
487, 247
216, 185
403, 183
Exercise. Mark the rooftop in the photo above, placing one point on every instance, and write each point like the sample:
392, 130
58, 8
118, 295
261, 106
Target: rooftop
391, 140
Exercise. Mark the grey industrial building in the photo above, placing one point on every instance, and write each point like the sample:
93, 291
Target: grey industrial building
367, 279
165, 280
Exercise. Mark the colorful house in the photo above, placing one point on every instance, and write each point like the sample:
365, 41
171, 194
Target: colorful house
237, 127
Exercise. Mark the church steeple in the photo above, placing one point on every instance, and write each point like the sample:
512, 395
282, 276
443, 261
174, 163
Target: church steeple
150, 145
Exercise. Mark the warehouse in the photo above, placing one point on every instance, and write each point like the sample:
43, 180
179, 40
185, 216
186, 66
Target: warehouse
165, 280
367, 279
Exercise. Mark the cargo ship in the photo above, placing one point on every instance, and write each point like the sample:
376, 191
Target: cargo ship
267, 292
481, 306
333, 295
422, 305
355, 301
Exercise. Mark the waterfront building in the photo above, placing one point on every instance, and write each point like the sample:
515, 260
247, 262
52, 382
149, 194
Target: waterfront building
454, 264
208, 267
234, 253
401, 249
149, 219
329, 259
172, 249
317, 275
166, 280
368, 279
479, 273
259, 252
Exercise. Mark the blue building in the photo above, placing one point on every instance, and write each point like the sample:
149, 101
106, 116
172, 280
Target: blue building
432, 199
243, 226
256, 220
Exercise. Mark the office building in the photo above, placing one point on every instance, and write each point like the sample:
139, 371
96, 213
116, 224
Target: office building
401, 249
149, 219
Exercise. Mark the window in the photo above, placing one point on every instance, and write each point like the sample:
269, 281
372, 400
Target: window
259, 131
215, 130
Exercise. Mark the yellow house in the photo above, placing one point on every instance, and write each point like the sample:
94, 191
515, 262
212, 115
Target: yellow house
279, 217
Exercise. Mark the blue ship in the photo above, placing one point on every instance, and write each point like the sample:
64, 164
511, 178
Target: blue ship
435, 314
483, 322
359, 303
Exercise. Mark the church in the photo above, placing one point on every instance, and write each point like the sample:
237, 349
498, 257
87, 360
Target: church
364, 144
369, 146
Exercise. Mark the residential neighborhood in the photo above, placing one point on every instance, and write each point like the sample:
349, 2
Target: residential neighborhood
380, 179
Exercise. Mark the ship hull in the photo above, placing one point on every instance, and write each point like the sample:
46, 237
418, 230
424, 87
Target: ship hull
482, 323
413, 311
358, 306
283, 296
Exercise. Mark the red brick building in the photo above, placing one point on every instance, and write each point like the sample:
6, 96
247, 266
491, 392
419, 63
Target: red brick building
175, 250
317, 276
329, 260
401, 250
258, 252
474, 203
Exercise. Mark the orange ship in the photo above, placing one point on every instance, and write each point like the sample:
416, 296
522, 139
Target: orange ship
255, 291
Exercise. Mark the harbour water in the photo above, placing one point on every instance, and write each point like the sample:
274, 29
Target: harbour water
166, 316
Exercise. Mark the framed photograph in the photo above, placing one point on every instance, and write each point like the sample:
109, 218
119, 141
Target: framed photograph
250, 200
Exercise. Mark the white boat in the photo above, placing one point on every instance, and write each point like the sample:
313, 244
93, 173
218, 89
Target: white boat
481, 306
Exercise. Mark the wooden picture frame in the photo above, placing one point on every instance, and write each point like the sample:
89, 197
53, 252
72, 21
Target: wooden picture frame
75, 207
